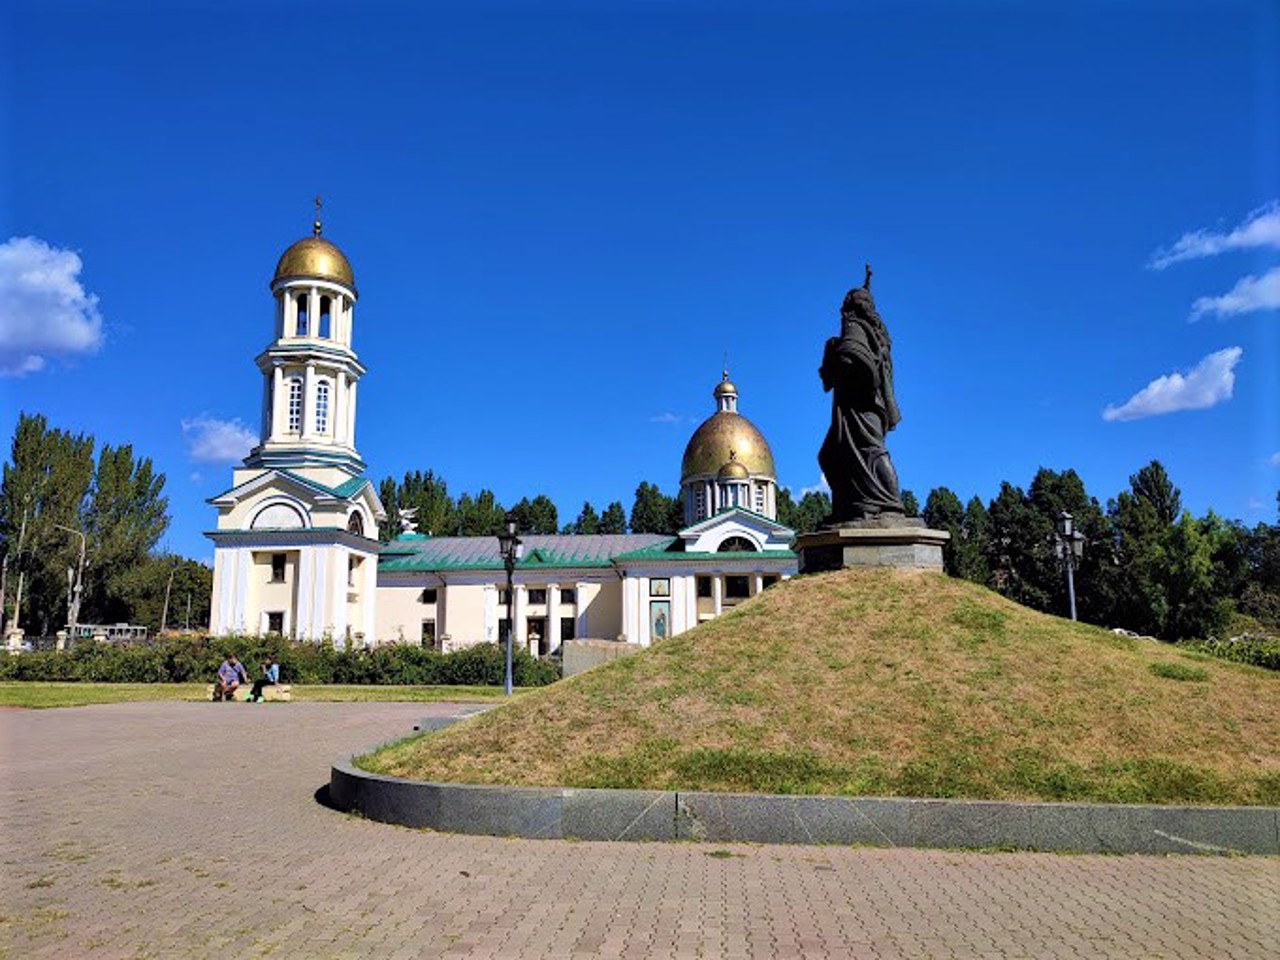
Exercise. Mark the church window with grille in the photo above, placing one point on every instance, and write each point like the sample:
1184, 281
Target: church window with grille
759, 508
295, 404
322, 406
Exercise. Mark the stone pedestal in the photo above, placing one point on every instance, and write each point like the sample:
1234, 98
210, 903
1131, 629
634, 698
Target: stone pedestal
901, 543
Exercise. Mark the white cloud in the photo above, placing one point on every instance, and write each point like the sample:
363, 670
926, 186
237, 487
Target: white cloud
44, 311
1260, 229
1207, 384
1275, 459
820, 487
1248, 295
210, 440
666, 418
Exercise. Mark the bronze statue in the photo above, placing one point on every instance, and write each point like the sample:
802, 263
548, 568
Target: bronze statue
858, 371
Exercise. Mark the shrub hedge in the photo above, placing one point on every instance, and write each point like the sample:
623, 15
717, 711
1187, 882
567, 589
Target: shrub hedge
194, 660
1259, 650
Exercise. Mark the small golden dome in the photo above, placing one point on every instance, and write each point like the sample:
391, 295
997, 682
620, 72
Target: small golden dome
315, 258
733, 470
724, 388
726, 437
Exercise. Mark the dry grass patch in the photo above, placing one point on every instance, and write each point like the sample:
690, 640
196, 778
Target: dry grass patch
873, 682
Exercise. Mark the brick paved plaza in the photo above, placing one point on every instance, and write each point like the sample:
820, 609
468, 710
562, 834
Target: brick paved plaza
191, 830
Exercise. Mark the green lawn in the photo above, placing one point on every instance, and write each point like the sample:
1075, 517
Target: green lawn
40, 695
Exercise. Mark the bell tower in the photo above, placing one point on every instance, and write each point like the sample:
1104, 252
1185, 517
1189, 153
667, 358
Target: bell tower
295, 551
310, 371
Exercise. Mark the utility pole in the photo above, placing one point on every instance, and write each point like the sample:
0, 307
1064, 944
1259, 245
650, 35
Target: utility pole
164, 615
76, 589
17, 600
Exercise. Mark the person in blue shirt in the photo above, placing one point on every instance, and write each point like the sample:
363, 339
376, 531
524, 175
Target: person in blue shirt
230, 674
270, 677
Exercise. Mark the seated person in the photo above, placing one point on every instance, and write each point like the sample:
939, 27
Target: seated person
229, 676
270, 677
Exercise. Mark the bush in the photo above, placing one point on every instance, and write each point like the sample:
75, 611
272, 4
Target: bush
1260, 651
197, 660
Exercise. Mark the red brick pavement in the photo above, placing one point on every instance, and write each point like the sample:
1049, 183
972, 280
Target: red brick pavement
190, 830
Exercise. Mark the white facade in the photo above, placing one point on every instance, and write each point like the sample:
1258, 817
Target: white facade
295, 552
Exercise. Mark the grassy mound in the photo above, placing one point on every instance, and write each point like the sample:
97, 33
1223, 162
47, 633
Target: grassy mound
882, 683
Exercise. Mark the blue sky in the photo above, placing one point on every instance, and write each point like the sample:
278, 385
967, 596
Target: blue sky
561, 219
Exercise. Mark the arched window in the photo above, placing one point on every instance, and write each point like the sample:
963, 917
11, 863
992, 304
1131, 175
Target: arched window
736, 545
303, 319
356, 524
324, 317
295, 404
322, 406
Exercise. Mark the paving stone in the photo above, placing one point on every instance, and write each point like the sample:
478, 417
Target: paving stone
192, 830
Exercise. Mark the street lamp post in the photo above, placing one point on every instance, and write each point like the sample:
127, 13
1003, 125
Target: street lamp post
1068, 544
511, 548
73, 597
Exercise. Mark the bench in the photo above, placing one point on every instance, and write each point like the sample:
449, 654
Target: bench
281, 691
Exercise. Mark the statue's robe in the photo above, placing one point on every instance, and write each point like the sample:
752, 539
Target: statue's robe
857, 369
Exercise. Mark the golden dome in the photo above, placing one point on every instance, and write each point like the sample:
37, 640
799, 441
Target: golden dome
725, 437
733, 470
315, 258
724, 389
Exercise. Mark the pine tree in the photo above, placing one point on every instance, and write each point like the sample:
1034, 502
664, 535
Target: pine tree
588, 521
614, 519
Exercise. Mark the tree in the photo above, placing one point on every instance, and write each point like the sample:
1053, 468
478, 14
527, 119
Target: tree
588, 521
814, 507
943, 511
975, 539
910, 505
1195, 611
1152, 484
537, 515
652, 511
434, 512
143, 586
389, 528
47, 478
481, 517
126, 518
1020, 546
614, 519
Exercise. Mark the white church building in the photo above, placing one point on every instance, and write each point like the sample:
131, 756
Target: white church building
295, 549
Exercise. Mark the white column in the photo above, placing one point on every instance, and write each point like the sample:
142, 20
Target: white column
757, 586
581, 590
628, 609
717, 594
288, 317
490, 613
553, 616
240, 592
313, 313
339, 403
279, 403
306, 587
368, 600
519, 604
351, 414
309, 401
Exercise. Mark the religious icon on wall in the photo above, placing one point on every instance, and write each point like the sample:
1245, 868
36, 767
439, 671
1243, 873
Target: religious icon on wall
659, 619
660, 587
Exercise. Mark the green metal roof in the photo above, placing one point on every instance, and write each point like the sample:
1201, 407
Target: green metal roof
343, 491
542, 551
